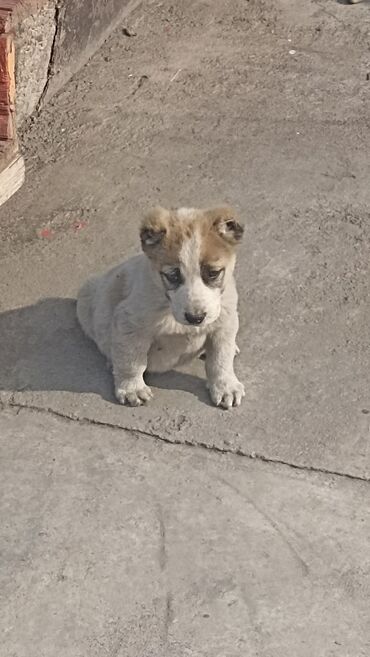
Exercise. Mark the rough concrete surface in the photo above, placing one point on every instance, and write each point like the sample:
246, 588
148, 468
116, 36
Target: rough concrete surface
265, 106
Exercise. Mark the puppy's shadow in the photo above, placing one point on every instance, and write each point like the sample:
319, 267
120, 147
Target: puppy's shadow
44, 349
181, 381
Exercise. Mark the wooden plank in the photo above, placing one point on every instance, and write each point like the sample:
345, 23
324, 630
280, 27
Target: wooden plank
11, 177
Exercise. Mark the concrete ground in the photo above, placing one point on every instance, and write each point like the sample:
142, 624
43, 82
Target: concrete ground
179, 530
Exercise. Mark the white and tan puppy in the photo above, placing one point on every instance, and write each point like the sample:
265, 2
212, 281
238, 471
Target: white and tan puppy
173, 303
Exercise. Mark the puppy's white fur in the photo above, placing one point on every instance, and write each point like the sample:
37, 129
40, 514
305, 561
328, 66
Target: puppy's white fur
139, 323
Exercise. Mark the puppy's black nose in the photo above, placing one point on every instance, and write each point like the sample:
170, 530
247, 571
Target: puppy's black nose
195, 319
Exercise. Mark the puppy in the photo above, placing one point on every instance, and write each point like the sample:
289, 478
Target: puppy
175, 302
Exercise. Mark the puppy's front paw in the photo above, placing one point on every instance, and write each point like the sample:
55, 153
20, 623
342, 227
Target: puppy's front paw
133, 392
226, 392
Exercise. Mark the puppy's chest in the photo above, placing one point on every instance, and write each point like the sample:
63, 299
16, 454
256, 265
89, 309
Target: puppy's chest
179, 342
169, 351
174, 344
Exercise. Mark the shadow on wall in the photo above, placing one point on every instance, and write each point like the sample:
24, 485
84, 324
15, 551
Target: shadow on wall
43, 348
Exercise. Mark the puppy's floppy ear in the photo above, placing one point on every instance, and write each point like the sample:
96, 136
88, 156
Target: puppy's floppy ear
226, 224
153, 229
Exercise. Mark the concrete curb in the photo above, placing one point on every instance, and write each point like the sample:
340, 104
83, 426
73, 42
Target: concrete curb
42, 44
54, 38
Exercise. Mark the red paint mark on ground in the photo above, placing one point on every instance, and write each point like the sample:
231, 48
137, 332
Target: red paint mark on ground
46, 234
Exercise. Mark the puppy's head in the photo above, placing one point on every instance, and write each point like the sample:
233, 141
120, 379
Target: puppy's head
194, 252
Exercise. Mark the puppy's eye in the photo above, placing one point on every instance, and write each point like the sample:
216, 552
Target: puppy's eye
173, 277
213, 274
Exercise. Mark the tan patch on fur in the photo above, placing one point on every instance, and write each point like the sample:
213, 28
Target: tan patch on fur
215, 249
175, 232
163, 234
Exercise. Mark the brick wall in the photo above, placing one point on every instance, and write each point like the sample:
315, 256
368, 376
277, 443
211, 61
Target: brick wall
7, 81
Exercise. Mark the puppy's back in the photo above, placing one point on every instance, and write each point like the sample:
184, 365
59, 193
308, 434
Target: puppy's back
98, 299
86, 304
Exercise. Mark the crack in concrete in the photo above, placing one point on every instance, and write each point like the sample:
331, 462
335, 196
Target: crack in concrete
50, 73
253, 456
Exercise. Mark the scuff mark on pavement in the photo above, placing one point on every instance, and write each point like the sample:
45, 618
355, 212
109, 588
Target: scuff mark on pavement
302, 563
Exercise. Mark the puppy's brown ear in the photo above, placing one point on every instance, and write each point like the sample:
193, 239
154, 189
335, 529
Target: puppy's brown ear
153, 229
226, 224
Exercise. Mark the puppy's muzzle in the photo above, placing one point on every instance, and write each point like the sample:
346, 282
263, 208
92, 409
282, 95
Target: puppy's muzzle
195, 320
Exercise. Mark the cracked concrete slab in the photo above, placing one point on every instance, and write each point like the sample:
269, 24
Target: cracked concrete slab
284, 138
118, 545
